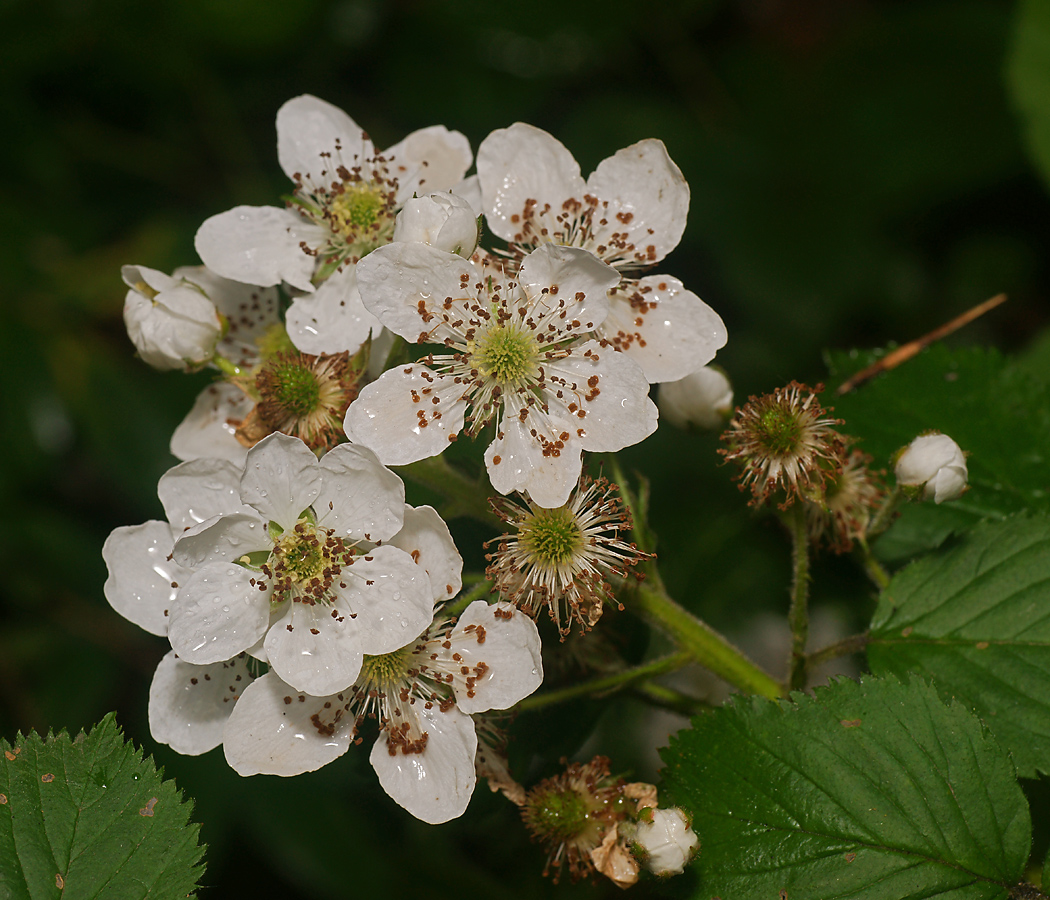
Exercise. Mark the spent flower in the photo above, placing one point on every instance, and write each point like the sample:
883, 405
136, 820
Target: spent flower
563, 558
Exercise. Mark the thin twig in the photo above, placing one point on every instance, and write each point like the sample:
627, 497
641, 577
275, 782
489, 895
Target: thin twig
903, 354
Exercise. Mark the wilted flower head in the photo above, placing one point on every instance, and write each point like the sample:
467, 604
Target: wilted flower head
561, 558
934, 466
571, 813
842, 514
785, 443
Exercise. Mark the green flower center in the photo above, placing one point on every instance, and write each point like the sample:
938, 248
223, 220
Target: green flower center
779, 431
388, 668
557, 816
293, 387
299, 555
358, 211
552, 537
507, 354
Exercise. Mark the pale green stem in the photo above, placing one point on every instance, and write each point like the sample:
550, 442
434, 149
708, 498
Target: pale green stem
703, 644
884, 517
798, 613
669, 698
872, 566
228, 368
608, 684
463, 497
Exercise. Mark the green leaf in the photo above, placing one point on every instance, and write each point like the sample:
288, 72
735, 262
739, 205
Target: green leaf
975, 619
864, 791
994, 410
90, 818
1028, 78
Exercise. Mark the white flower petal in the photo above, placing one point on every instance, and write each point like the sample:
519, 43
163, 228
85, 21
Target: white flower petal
703, 398
207, 429
139, 586
221, 540
359, 497
314, 651
620, 412
386, 418
390, 596
434, 785
189, 705
272, 731
405, 284
516, 462
217, 614
195, 491
524, 163
259, 245
667, 330
426, 538
573, 272
469, 189
333, 318
441, 220
430, 159
175, 329
307, 127
158, 281
643, 183
250, 311
510, 650
281, 478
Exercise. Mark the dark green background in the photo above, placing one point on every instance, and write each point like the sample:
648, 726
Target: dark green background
858, 177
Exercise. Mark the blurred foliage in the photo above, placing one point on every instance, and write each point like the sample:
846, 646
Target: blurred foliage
858, 177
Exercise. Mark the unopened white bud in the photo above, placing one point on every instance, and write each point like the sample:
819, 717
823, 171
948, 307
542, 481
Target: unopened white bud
171, 322
442, 220
668, 841
935, 464
703, 399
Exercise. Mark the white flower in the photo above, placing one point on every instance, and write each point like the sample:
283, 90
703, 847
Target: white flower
513, 357
171, 322
422, 695
144, 579
189, 705
290, 570
935, 463
441, 220
342, 207
630, 212
703, 398
668, 840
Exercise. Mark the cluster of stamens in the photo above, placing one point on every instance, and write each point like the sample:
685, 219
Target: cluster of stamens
582, 223
572, 812
355, 200
392, 685
562, 558
786, 444
845, 511
301, 395
305, 563
505, 343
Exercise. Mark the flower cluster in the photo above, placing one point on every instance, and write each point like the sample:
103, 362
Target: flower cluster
363, 325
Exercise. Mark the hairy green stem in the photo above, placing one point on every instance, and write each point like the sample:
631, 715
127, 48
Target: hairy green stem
703, 644
884, 517
668, 698
463, 497
607, 684
798, 613
477, 591
872, 566
855, 643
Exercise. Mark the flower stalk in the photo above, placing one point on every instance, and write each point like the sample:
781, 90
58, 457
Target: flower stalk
798, 612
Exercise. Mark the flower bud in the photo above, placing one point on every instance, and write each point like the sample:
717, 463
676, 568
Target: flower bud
703, 399
441, 220
667, 840
934, 465
171, 322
